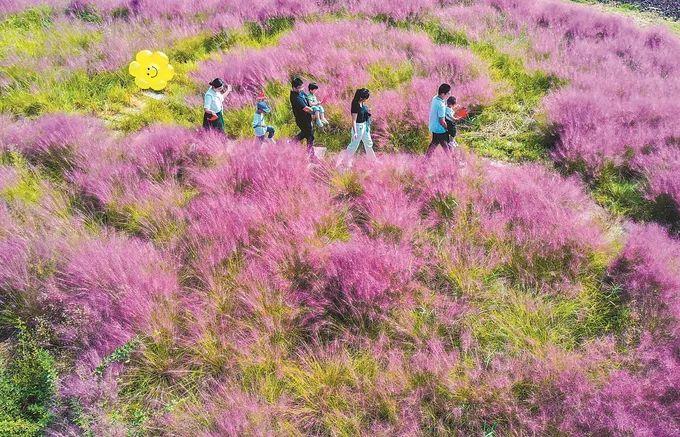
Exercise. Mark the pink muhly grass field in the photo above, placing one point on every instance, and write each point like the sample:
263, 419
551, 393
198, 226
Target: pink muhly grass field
187, 283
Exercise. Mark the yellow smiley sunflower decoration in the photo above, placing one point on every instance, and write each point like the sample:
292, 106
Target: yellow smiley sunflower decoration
151, 70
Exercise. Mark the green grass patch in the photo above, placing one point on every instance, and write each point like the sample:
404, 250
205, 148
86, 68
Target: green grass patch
408, 138
384, 76
27, 189
623, 192
326, 392
513, 321
333, 228
99, 94
512, 126
23, 33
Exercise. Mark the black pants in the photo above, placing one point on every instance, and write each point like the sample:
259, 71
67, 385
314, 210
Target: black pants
451, 128
306, 131
438, 140
217, 125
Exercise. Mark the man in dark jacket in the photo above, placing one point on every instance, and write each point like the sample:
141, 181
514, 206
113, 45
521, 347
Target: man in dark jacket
302, 113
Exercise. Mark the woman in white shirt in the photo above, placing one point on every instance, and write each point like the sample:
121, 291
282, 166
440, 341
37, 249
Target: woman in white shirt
212, 105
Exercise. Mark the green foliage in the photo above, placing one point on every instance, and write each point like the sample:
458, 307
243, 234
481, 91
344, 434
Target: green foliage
408, 138
120, 355
101, 94
618, 190
85, 12
269, 31
27, 189
515, 319
384, 76
23, 27
320, 388
442, 35
27, 388
333, 228
623, 192
346, 185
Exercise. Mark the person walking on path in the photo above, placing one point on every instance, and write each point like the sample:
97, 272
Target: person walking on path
437, 123
212, 105
303, 114
262, 130
361, 127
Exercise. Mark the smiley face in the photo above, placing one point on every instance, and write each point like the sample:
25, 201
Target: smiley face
151, 70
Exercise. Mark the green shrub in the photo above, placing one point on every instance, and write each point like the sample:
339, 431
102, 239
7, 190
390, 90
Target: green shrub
27, 388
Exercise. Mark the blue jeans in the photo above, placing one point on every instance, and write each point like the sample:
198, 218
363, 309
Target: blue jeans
270, 134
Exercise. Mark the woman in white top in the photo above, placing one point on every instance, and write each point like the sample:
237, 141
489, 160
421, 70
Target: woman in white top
212, 105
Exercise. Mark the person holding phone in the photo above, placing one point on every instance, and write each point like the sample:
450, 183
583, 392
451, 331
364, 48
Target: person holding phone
213, 105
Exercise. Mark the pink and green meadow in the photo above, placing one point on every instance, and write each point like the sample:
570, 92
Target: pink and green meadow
157, 279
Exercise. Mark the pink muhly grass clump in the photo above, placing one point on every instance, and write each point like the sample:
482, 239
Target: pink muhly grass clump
541, 211
640, 399
104, 180
276, 180
110, 289
368, 274
336, 62
167, 152
122, 39
550, 223
441, 178
641, 404
224, 410
5, 220
251, 169
92, 393
661, 171
13, 6
14, 266
390, 212
648, 268
397, 10
219, 224
60, 142
625, 121
9, 177
266, 203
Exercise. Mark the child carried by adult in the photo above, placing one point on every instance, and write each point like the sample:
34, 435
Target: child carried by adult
319, 113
